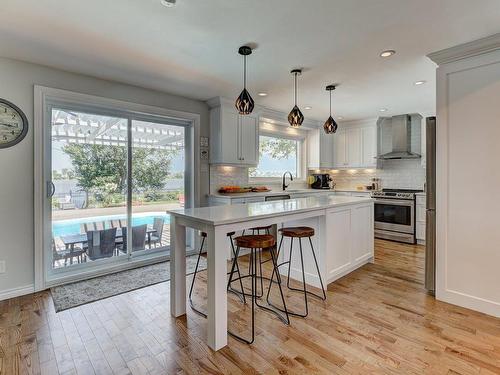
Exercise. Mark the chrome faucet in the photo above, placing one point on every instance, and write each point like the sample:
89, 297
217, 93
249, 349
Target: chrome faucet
291, 179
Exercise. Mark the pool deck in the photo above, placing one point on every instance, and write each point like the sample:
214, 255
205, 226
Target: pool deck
93, 212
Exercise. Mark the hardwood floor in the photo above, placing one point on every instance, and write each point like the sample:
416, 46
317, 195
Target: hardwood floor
376, 320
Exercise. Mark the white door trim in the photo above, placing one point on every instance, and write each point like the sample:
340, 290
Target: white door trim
44, 94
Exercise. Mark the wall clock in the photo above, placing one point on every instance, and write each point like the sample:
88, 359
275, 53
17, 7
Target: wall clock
13, 124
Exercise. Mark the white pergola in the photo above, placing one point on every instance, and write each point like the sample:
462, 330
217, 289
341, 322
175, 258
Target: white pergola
82, 128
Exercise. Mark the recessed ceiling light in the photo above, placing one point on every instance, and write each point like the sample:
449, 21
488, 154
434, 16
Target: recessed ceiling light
308, 107
418, 83
340, 118
383, 109
262, 94
387, 53
168, 3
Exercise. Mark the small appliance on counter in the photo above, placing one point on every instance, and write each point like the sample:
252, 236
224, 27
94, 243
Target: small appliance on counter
321, 181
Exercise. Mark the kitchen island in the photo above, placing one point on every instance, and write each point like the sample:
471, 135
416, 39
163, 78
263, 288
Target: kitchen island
343, 242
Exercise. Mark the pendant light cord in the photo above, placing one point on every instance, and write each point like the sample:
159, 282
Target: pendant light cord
295, 88
245, 72
330, 103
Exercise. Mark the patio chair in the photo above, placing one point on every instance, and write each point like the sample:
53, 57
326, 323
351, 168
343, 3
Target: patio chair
93, 226
66, 254
138, 238
155, 238
115, 224
101, 243
66, 203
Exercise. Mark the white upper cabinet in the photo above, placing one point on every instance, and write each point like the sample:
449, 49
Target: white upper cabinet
355, 145
354, 151
320, 149
369, 146
233, 137
340, 149
249, 134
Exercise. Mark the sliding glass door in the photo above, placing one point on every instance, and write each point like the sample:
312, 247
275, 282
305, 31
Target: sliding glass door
158, 167
111, 176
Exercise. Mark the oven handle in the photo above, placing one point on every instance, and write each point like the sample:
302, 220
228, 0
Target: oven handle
395, 202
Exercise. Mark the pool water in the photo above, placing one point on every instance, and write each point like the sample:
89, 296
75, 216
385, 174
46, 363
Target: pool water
72, 226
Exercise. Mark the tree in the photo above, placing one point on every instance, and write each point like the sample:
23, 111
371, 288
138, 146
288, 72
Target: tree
98, 167
103, 169
277, 148
150, 168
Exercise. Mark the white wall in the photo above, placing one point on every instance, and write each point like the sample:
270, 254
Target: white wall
16, 164
468, 177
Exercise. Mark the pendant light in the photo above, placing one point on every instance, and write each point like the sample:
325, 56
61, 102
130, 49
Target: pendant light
244, 103
330, 124
295, 117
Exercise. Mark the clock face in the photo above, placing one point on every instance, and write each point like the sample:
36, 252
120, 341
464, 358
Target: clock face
13, 124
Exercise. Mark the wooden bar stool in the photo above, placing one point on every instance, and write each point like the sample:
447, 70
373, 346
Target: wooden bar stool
257, 230
257, 243
297, 232
234, 268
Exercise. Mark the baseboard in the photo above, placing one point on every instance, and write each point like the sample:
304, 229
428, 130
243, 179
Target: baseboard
470, 302
16, 292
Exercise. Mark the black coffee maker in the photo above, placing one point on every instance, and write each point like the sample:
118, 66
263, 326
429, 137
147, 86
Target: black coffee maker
321, 181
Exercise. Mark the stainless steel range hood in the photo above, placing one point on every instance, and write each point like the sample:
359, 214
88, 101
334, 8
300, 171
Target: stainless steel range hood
398, 137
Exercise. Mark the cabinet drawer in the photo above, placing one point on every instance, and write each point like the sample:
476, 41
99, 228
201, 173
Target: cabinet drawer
238, 200
255, 199
343, 193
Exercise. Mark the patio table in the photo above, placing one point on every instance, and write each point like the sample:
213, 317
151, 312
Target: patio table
72, 239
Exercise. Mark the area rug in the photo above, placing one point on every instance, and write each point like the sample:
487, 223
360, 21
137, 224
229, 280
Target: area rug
82, 292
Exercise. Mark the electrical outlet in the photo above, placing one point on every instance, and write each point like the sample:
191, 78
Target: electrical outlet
2, 266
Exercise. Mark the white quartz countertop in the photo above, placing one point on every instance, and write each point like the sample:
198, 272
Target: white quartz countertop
286, 192
219, 215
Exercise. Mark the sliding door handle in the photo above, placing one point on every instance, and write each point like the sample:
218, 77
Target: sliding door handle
51, 189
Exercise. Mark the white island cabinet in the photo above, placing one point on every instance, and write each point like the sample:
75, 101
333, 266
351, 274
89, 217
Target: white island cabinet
343, 242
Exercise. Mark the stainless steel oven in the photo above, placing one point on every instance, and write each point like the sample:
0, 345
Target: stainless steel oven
395, 215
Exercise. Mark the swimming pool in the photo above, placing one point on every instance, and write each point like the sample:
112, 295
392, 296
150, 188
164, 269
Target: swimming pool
72, 226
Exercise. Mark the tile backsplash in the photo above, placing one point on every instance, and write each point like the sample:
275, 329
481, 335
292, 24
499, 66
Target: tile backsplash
403, 174
238, 176
396, 174
227, 176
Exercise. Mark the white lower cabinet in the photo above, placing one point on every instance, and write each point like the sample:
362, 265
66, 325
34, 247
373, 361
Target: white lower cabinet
420, 221
351, 230
343, 242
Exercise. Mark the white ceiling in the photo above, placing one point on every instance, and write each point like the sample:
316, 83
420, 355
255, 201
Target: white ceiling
191, 49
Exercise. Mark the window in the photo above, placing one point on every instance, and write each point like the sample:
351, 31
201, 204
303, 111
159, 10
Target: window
278, 154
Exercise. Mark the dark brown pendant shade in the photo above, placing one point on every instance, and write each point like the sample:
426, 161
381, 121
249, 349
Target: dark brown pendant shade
330, 125
295, 117
244, 103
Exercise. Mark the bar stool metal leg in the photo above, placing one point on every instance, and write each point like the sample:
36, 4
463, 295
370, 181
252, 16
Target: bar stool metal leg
234, 266
254, 284
194, 278
304, 285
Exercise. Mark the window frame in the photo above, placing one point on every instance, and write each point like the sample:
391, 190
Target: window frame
283, 132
